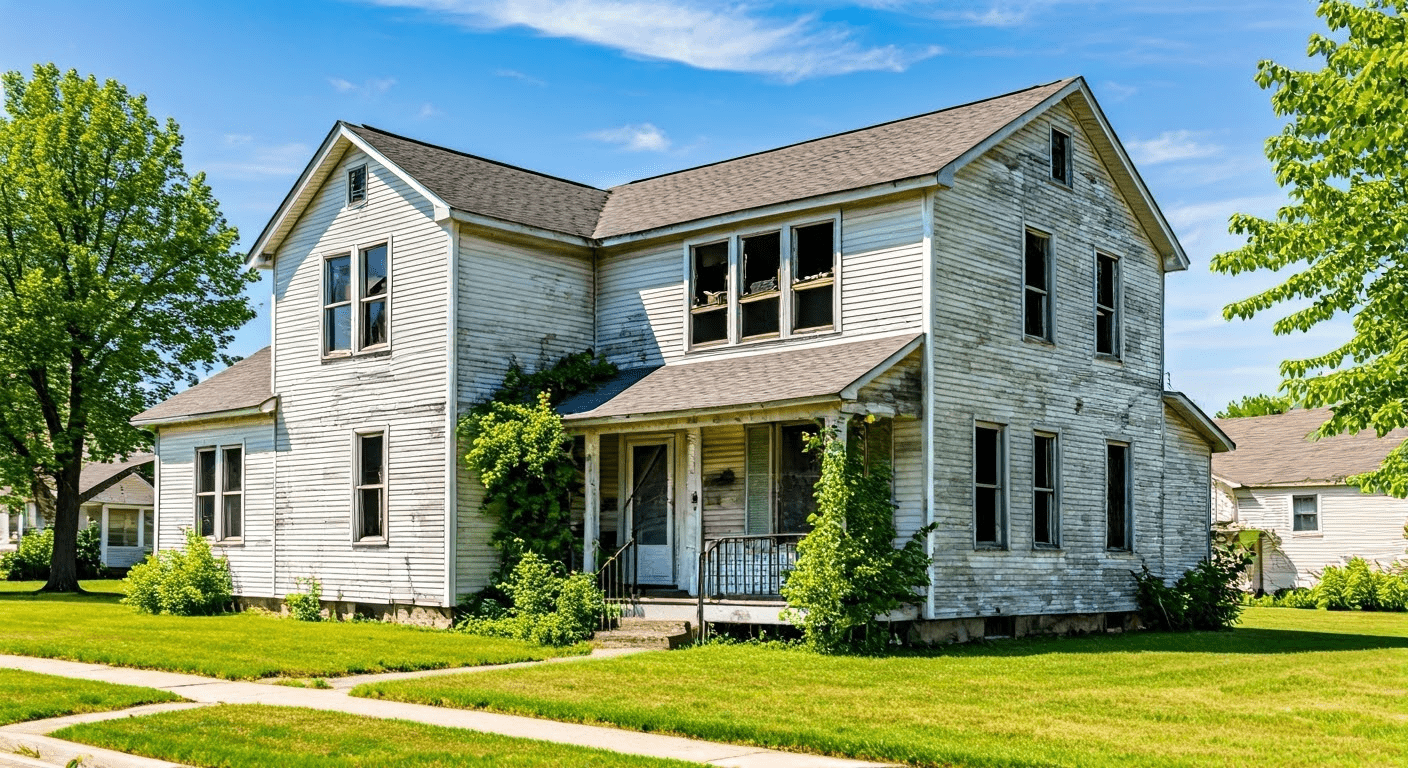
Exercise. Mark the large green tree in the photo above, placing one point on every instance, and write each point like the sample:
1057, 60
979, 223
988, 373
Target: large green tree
117, 280
1342, 239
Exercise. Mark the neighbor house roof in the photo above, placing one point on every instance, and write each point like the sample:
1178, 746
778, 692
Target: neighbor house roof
769, 378
1273, 450
243, 387
99, 476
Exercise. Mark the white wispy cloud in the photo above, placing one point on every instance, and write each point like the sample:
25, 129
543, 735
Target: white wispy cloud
371, 87
642, 137
252, 160
726, 37
1170, 147
427, 111
1113, 91
514, 74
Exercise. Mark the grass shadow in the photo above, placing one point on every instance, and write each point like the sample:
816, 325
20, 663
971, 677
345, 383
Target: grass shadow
1240, 641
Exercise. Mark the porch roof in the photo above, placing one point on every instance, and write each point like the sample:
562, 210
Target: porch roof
768, 378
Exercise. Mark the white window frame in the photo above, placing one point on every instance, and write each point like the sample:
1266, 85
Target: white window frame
219, 493
1117, 329
357, 487
786, 289
1319, 525
1049, 291
366, 185
1055, 490
355, 299
1129, 540
1003, 510
1070, 157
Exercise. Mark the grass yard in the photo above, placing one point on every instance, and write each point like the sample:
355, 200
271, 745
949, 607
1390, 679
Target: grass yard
95, 628
250, 734
97, 586
1289, 688
32, 696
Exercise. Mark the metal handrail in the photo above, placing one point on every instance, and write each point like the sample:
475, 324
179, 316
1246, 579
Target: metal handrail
750, 571
612, 581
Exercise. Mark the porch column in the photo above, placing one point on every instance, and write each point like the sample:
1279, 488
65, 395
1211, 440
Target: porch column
693, 511
839, 423
591, 516
4, 525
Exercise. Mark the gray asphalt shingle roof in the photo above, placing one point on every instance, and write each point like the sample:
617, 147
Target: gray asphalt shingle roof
245, 384
1273, 450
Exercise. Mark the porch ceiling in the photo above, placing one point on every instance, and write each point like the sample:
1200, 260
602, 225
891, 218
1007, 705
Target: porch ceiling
768, 378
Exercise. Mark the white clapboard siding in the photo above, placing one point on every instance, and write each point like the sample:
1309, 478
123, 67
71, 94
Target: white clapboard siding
722, 453
639, 305
1352, 524
251, 560
323, 402
1186, 503
909, 477
984, 369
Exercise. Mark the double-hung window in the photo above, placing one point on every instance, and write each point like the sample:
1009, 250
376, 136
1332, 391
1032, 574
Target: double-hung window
989, 476
122, 527
369, 487
814, 277
356, 300
1036, 277
1107, 297
1060, 156
1119, 530
709, 303
220, 491
1305, 514
1046, 514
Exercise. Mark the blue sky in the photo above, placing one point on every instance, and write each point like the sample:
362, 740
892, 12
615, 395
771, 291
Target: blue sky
604, 91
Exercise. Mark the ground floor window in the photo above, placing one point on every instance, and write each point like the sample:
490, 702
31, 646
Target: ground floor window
781, 474
123, 525
989, 485
220, 491
370, 490
1305, 512
1118, 531
1045, 469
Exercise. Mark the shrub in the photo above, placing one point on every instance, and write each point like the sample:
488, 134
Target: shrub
1361, 585
306, 606
30, 562
1204, 598
546, 607
192, 582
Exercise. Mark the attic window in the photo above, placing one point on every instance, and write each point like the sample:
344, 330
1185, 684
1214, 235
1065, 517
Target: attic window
357, 185
1060, 157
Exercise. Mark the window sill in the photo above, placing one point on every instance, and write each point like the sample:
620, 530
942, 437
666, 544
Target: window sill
380, 351
1066, 185
989, 548
754, 342
1054, 549
371, 543
1307, 534
1111, 359
231, 543
1120, 551
1038, 340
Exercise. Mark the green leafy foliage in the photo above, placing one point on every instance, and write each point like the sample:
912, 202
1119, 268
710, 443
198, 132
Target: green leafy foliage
30, 561
1342, 158
1257, 405
189, 582
306, 606
545, 605
569, 375
1204, 598
848, 570
1358, 585
119, 281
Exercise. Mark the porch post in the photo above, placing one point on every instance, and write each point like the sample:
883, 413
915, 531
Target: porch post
839, 422
5, 525
591, 516
693, 515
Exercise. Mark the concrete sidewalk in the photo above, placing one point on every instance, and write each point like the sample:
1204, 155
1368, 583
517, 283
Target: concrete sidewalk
213, 691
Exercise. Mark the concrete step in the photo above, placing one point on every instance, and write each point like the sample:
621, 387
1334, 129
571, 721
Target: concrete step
645, 633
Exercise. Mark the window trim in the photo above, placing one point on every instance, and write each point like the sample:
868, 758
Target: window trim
1069, 181
218, 494
1117, 332
365, 168
355, 299
356, 487
1319, 524
689, 282
1129, 545
1004, 479
1054, 490
1049, 291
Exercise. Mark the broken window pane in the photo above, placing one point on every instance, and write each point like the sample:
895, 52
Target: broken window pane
814, 308
762, 256
370, 499
710, 326
1106, 293
1037, 309
374, 271
711, 275
1117, 497
798, 473
205, 508
987, 490
760, 317
357, 185
1060, 157
815, 252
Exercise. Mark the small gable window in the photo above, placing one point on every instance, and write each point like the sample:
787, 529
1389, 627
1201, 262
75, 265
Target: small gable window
1060, 157
357, 185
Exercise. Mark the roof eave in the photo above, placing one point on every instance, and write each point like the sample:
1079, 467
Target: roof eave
587, 420
1200, 422
267, 407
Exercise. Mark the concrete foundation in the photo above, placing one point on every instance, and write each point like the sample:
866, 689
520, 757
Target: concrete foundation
945, 631
341, 610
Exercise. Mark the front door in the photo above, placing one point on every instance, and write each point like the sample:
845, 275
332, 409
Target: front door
651, 511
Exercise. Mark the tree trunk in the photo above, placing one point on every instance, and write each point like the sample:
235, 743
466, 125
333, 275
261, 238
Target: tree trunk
63, 566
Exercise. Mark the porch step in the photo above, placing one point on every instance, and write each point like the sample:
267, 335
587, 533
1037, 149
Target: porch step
645, 633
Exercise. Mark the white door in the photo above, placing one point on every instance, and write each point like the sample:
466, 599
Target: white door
651, 511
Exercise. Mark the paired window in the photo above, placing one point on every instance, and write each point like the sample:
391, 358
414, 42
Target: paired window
220, 491
780, 474
123, 525
1060, 157
1119, 532
1107, 296
1036, 270
1305, 513
355, 303
369, 489
786, 285
357, 185
1046, 514
989, 474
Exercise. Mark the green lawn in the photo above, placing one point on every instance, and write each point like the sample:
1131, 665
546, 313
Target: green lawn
1290, 688
248, 735
97, 586
32, 696
237, 646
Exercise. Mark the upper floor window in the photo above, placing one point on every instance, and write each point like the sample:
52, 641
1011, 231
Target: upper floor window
1036, 276
357, 185
1107, 295
220, 491
369, 486
1046, 513
763, 285
1118, 529
989, 475
364, 319
1060, 156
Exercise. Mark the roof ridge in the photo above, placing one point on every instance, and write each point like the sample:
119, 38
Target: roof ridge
846, 132
473, 156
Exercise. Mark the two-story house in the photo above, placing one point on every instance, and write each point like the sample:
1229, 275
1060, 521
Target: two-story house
976, 294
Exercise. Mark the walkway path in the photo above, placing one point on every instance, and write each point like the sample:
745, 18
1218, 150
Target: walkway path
205, 690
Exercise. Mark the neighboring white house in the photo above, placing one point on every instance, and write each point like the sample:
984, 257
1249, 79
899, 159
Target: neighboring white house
113, 494
986, 281
1293, 488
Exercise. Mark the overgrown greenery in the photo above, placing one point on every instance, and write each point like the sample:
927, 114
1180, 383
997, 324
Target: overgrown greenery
1206, 597
545, 606
848, 570
306, 606
30, 561
1356, 586
189, 582
1342, 157
1257, 405
32, 696
523, 457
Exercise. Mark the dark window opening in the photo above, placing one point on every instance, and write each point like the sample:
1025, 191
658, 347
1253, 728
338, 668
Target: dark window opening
337, 303
371, 485
1106, 307
357, 185
760, 317
1044, 489
1060, 156
798, 472
1037, 277
1117, 528
1306, 511
987, 482
374, 276
816, 257
710, 300
232, 493
205, 491
762, 260
814, 277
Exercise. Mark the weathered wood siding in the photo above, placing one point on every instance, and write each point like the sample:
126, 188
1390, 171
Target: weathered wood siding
985, 370
251, 560
722, 453
323, 402
1186, 509
1351, 524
